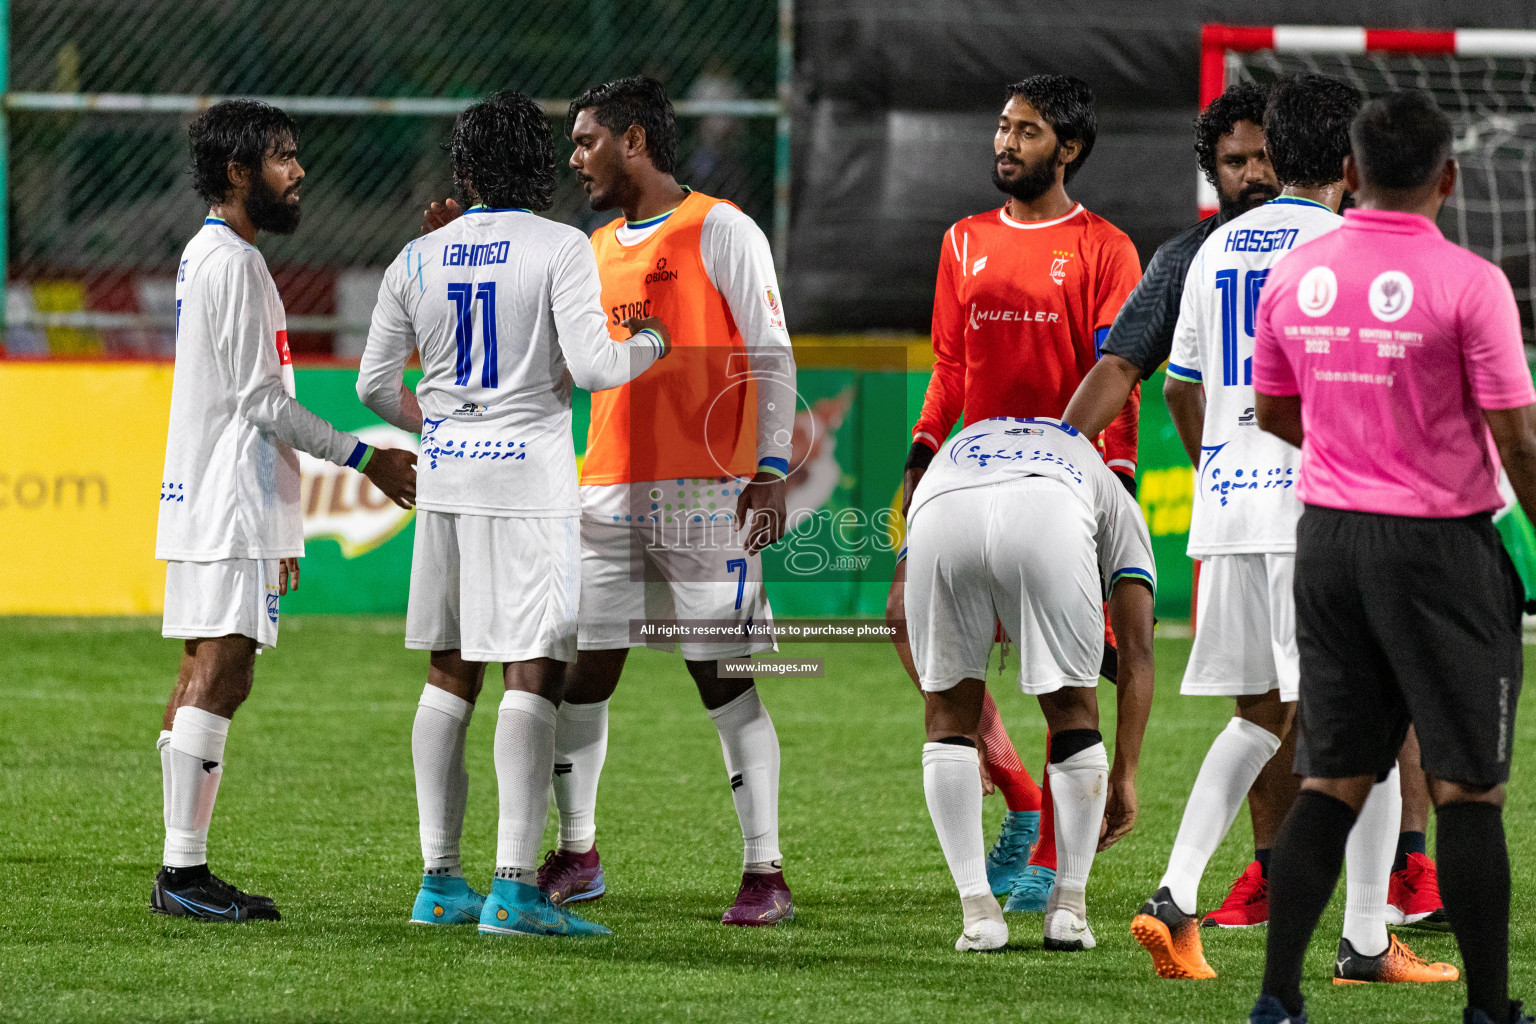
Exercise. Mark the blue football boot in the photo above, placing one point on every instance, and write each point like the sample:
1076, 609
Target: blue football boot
517, 908
1031, 891
446, 900
1010, 854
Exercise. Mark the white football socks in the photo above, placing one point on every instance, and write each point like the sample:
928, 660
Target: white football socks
1368, 858
952, 784
1237, 756
751, 750
581, 746
442, 780
193, 762
163, 744
524, 755
1080, 788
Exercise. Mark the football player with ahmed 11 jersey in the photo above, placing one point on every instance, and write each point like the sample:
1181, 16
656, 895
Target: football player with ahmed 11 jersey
1025, 294
1244, 531
503, 306
230, 525
683, 481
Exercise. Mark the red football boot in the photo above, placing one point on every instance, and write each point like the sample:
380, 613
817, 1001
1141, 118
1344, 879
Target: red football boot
1246, 906
1413, 896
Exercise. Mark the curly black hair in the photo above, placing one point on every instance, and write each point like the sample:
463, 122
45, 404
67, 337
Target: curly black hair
1066, 103
234, 131
503, 153
1244, 101
1306, 129
1401, 140
635, 100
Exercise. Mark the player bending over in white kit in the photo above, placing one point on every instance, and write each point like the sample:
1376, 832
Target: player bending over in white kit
230, 525
1019, 521
504, 308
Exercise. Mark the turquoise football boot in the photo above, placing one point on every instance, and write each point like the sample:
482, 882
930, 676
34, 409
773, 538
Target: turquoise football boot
1031, 891
1010, 854
517, 908
446, 900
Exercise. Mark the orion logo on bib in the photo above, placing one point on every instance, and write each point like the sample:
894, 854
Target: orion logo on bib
1391, 296
661, 273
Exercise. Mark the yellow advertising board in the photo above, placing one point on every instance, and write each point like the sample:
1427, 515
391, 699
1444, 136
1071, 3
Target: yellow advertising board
79, 484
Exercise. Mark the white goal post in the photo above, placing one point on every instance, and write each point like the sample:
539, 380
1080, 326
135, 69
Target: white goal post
1485, 79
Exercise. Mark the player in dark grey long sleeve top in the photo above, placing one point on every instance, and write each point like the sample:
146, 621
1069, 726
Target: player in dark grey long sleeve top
1229, 143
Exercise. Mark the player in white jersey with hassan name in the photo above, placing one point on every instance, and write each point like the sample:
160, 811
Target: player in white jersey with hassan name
230, 526
504, 308
1019, 521
1244, 532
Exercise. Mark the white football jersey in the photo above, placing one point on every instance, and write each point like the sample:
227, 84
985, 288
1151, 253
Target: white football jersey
506, 310
1004, 448
231, 482
1245, 488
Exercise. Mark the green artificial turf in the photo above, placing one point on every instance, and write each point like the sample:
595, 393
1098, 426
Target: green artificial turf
317, 809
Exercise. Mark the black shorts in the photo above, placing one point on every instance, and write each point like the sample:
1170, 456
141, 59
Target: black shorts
1398, 620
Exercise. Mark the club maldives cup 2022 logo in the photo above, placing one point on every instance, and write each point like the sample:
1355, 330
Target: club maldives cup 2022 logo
342, 505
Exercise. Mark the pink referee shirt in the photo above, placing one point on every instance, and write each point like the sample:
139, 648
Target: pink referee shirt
1395, 339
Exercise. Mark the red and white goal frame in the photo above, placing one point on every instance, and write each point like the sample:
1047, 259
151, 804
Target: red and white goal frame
1217, 41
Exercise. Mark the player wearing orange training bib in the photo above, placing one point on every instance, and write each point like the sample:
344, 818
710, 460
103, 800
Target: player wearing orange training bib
683, 483
1024, 295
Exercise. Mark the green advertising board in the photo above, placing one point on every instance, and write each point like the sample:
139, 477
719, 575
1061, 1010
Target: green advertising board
851, 438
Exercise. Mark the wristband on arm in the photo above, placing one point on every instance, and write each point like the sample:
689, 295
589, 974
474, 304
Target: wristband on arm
662, 348
358, 460
774, 467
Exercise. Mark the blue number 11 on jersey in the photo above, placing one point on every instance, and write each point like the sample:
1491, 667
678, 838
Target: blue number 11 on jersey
464, 331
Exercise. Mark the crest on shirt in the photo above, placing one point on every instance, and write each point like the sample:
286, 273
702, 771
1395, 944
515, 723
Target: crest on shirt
1391, 295
1059, 259
1317, 290
775, 310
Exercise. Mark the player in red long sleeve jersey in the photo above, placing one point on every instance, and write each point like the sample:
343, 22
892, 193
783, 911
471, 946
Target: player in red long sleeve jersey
1024, 296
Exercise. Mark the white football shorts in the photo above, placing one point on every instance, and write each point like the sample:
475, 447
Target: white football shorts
1245, 628
641, 573
495, 588
224, 598
1020, 552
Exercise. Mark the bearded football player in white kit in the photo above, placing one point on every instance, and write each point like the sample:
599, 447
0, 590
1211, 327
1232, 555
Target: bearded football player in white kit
1244, 532
505, 309
230, 526
1019, 521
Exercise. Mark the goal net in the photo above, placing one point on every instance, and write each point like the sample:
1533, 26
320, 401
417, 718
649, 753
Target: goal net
1484, 80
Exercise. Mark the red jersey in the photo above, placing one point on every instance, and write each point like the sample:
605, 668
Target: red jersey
1019, 311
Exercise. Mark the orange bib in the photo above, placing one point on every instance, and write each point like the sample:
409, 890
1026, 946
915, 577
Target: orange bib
694, 413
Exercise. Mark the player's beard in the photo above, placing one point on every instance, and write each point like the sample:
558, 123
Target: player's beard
270, 211
1033, 181
1250, 198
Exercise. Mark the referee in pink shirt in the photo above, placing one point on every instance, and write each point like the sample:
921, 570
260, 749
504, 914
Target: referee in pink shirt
1393, 359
